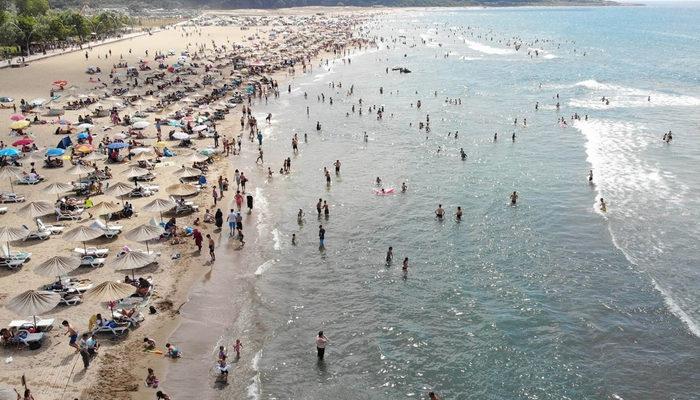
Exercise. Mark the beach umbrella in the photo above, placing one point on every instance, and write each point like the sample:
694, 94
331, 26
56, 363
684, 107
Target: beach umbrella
57, 188
200, 128
17, 125
7, 393
105, 207
9, 152
82, 234
33, 302
144, 233
79, 169
54, 152
140, 125
17, 117
85, 125
207, 151
60, 82
110, 291
23, 142
137, 150
117, 145
94, 157
37, 102
181, 189
180, 136
57, 266
36, 209
159, 206
9, 234
10, 173
186, 172
82, 135
143, 156
132, 260
196, 157
135, 172
160, 144
119, 189
119, 136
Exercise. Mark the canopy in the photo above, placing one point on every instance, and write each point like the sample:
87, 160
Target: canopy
105, 207
23, 142
10, 173
54, 152
9, 152
84, 148
186, 172
19, 124
180, 136
57, 266
144, 233
117, 145
132, 260
110, 291
36, 209
80, 169
94, 157
159, 205
196, 157
181, 189
10, 234
82, 234
57, 188
118, 189
133, 172
140, 124
33, 302
17, 117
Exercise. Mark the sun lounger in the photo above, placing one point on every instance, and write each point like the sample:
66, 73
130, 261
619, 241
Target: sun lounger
42, 325
31, 340
54, 229
110, 231
93, 262
13, 255
66, 214
37, 234
91, 251
11, 198
135, 318
117, 329
28, 180
10, 263
70, 299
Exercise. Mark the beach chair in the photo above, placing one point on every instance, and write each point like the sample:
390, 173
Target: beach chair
141, 191
42, 325
92, 262
116, 329
5, 253
110, 231
29, 180
91, 251
37, 234
134, 320
186, 207
10, 263
11, 198
30, 340
53, 229
74, 215
70, 298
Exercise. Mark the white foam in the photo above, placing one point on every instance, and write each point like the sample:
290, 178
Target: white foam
626, 97
623, 179
276, 240
482, 48
254, 387
677, 310
264, 267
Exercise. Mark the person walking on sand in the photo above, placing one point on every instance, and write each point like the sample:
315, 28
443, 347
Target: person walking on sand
197, 236
237, 176
211, 248
231, 219
321, 341
239, 200
219, 218
82, 345
72, 335
215, 195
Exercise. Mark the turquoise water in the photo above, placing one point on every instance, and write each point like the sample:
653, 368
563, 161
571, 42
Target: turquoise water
551, 299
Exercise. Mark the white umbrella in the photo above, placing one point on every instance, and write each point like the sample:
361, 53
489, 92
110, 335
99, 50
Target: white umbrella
8, 234
36, 209
140, 125
33, 302
119, 189
186, 172
159, 205
57, 188
57, 266
82, 234
181, 189
144, 233
200, 128
180, 136
134, 172
10, 173
132, 260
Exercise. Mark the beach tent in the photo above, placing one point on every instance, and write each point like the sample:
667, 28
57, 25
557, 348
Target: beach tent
65, 143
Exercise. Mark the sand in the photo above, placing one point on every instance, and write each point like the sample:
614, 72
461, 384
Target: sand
55, 371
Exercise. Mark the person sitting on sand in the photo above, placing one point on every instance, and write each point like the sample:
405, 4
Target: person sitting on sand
172, 351
149, 344
208, 217
162, 396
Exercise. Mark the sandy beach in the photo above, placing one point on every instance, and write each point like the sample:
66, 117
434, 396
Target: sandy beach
55, 371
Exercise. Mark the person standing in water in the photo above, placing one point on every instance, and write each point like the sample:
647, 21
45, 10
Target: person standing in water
403, 187
603, 206
389, 255
439, 213
590, 176
321, 342
513, 198
321, 236
336, 164
458, 214
404, 266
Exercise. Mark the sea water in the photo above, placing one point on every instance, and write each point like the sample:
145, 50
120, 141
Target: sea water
550, 299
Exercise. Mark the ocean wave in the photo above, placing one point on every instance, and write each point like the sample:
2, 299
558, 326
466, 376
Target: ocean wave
482, 48
625, 97
622, 178
264, 267
254, 388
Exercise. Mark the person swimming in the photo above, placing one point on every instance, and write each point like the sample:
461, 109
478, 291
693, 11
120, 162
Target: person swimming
513, 198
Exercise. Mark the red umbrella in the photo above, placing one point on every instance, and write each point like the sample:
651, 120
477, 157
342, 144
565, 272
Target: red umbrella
17, 117
60, 83
23, 142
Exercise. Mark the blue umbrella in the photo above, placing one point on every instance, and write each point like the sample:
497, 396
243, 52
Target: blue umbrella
54, 152
117, 145
82, 135
9, 152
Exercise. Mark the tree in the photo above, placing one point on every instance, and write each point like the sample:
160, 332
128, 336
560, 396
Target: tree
32, 8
